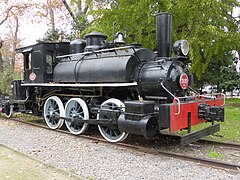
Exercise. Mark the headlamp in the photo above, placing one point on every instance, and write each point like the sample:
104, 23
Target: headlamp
181, 48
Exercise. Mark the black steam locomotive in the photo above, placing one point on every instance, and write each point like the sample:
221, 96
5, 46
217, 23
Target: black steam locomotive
120, 88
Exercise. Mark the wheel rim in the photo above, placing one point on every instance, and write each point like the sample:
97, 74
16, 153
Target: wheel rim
53, 109
76, 108
111, 135
9, 110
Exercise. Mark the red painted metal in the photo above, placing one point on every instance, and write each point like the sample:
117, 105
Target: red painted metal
180, 121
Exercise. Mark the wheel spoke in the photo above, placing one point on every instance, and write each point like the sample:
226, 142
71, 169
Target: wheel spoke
115, 133
54, 121
78, 109
80, 114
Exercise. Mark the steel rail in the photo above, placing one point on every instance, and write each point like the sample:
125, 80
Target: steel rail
202, 161
234, 146
222, 144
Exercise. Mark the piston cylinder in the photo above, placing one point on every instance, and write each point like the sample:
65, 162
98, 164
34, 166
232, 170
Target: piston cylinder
147, 126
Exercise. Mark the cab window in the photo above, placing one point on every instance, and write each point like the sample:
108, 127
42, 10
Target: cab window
49, 63
37, 59
28, 60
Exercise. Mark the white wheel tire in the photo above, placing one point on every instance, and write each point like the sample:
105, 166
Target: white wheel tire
124, 134
86, 115
61, 111
11, 112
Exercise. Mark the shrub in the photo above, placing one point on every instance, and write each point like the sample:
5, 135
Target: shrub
5, 81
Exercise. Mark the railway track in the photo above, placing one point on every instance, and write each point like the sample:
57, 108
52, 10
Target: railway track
202, 161
209, 142
221, 144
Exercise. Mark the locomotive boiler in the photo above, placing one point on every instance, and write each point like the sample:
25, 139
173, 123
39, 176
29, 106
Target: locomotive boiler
120, 88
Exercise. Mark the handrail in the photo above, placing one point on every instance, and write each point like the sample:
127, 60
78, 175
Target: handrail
98, 51
174, 97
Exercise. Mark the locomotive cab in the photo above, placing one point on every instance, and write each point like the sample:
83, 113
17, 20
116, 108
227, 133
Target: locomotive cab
40, 60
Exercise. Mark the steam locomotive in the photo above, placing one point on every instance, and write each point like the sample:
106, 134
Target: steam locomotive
120, 88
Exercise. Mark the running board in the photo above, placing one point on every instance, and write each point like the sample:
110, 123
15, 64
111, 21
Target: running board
194, 136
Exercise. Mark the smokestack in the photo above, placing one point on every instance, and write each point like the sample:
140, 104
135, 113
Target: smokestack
164, 34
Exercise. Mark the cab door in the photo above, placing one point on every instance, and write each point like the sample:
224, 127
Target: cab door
37, 69
49, 65
27, 56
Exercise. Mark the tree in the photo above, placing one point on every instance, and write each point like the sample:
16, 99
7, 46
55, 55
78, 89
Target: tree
229, 78
78, 10
13, 40
208, 25
11, 13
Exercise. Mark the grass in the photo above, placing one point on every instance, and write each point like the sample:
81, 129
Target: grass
230, 101
28, 117
15, 165
215, 155
230, 128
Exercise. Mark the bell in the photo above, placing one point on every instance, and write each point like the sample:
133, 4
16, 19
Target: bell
119, 38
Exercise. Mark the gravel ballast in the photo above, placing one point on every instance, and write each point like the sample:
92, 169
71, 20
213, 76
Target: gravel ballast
92, 160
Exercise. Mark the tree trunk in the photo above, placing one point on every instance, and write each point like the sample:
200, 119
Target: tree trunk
51, 13
1, 63
69, 10
15, 42
7, 15
1, 59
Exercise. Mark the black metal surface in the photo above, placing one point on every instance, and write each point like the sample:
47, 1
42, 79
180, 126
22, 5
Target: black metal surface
211, 113
217, 113
189, 122
77, 46
147, 126
35, 60
101, 122
18, 91
194, 136
164, 34
162, 71
92, 69
94, 41
164, 116
139, 107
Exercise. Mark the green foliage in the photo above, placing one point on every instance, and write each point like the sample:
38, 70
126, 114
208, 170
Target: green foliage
137, 20
207, 24
81, 22
52, 35
229, 78
5, 81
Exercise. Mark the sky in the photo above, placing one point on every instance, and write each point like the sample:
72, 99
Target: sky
32, 32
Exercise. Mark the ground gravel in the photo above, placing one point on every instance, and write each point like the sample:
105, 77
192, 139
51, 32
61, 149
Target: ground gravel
93, 160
